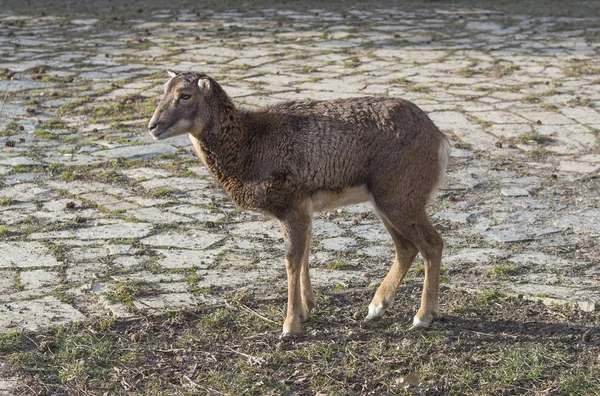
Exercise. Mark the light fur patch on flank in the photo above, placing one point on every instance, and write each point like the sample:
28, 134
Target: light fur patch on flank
324, 200
443, 160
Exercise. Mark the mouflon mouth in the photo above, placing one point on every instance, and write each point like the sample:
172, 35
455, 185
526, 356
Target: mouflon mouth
162, 133
159, 135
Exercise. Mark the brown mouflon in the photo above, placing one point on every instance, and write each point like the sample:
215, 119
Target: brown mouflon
294, 158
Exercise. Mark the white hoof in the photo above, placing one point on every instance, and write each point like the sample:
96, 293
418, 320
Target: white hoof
287, 335
375, 312
419, 324
291, 328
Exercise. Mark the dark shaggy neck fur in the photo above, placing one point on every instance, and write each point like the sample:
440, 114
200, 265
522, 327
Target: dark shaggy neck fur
222, 144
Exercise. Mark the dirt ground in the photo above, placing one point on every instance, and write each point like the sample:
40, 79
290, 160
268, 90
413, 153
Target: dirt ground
486, 344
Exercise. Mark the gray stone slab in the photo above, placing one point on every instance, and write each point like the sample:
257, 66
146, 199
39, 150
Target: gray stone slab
146, 173
258, 229
35, 279
585, 221
473, 256
35, 315
20, 161
578, 166
87, 254
25, 255
196, 214
322, 228
7, 281
324, 277
454, 217
177, 183
339, 243
377, 251
146, 151
373, 232
514, 192
169, 301
195, 240
109, 231
176, 258
538, 258
229, 278
158, 216
506, 236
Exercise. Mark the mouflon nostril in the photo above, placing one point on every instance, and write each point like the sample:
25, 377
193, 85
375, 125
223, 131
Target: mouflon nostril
152, 126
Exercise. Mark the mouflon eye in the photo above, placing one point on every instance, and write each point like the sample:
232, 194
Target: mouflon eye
184, 96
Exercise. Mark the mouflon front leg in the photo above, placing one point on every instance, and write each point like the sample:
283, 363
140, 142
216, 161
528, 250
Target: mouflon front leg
296, 233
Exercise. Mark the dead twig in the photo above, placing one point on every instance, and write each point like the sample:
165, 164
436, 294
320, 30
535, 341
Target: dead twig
3, 101
250, 310
251, 359
197, 385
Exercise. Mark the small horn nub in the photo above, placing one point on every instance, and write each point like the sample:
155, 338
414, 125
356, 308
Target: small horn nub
171, 73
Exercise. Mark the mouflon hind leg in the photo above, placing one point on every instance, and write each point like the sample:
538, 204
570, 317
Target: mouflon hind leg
416, 233
405, 254
309, 301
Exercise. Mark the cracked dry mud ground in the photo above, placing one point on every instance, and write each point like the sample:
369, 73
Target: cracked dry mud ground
96, 219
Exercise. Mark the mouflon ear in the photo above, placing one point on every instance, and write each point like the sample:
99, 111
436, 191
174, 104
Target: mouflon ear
171, 73
205, 86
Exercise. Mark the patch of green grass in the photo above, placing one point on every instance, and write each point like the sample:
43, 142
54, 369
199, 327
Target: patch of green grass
110, 177
401, 80
193, 278
581, 69
142, 44
10, 340
161, 192
61, 295
205, 290
463, 145
55, 124
418, 89
70, 175
582, 102
467, 72
502, 71
338, 265
542, 295
550, 107
487, 297
535, 138
419, 270
74, 104
5, 201
41, 133
533, 99
550, 92
538, 153
504, 271
3, 230
478, 120
12, 128
306, 70
126, 292
59, 251
18, 285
